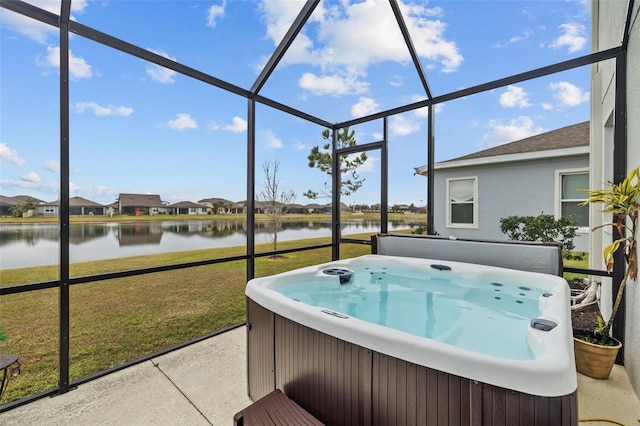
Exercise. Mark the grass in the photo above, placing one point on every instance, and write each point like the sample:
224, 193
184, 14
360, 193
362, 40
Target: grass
120, 320
582, 263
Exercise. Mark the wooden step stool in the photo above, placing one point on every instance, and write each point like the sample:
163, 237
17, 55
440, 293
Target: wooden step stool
275, 409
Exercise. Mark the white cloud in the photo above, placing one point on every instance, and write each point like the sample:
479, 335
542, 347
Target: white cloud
99, 193
401, 126
78, 67
428, 37
182, 122
513, 130
574, 37
161, 74
99, 110
396, 81
547, 106
31, 177
364, 107
424, 112
238, 125
213, 13
514, 96
298, 146
332, 84
50, 188
525, 35
279, 15
214, 125
515, 39
340, 50
35, 30
568, 94
9, 155
368, 166
272, 140
52, 166
73, 187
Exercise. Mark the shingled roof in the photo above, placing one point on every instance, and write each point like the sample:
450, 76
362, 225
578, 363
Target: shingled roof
572, 136
140, 200
76, 202
186, 204
7, 201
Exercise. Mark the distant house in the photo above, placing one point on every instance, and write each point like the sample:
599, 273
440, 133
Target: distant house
6, 203
78, 206
238, 208
542, 173
187, 207
317, 208
140, 204
323, 208
83, 207
219, 205
51, 208
296, 208
27, 198
268, 207
400, 208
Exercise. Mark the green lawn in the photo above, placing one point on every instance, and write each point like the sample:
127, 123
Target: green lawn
120, 320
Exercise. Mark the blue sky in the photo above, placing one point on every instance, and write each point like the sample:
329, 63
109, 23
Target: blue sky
139, 128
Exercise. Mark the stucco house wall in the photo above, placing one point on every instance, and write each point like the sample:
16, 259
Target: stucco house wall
500, 194
608, 19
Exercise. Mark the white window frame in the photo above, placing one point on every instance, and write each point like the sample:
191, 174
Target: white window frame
558, 193
473, 225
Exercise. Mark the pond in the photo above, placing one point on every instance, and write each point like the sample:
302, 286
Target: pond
28, 245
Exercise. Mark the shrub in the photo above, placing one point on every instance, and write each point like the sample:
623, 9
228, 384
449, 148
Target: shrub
545, 228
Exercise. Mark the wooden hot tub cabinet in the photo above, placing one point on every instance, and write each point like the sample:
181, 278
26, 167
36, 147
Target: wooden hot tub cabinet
340, 383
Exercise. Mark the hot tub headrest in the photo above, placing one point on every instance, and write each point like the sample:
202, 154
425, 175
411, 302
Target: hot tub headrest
524, 256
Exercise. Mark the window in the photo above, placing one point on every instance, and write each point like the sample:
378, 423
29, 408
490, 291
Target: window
462, 195
571, 195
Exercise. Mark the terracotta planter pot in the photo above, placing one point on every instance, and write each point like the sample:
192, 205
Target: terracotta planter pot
594, 360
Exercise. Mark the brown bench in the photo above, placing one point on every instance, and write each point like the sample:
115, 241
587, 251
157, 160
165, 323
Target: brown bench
275, 409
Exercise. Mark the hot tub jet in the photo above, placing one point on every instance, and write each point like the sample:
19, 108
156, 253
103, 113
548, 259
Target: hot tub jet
343, 274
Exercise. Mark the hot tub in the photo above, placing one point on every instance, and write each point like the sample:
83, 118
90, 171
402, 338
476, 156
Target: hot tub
389, 340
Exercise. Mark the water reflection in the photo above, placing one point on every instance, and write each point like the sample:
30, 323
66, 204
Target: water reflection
82, 234
28, 245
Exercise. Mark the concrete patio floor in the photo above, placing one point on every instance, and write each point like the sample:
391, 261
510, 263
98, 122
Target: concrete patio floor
205, 384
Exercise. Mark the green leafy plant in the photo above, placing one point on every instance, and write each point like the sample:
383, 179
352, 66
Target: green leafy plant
422, 229
545, 228
3, 336
419, 230
322, 159
23, 207
623, 201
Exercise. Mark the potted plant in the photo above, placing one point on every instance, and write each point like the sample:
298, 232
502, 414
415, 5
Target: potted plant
596, 352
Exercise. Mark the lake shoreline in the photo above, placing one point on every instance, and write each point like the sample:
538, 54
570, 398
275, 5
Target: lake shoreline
166, 217
32, 244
